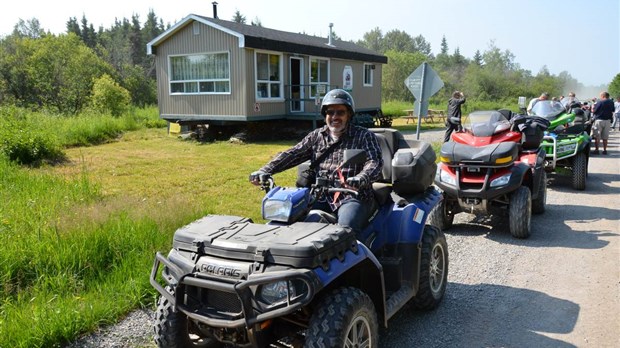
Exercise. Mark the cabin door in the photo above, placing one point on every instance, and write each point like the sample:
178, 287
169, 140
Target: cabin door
296, 83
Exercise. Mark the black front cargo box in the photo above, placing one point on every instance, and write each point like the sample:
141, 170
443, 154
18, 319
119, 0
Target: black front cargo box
480, 155
302, 244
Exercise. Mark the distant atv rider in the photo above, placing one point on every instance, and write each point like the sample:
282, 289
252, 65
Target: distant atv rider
543, 96
338, 109
454, 114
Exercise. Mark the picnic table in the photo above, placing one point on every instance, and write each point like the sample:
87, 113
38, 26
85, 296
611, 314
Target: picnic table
440, 114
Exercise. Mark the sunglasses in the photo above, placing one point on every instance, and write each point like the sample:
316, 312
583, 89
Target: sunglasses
340, 113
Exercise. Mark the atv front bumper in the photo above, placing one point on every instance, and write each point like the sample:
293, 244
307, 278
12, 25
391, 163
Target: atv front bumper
560, 148
233, 303
475, 195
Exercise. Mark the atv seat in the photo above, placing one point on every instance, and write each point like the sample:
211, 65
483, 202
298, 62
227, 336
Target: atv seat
386, 154
390, 140
579, 124
575, 129
386, 139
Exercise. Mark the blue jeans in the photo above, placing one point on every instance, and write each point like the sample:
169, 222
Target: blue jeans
352, 213
616, 122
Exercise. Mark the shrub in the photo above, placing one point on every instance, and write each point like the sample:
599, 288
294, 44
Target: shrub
110, 98
29, 146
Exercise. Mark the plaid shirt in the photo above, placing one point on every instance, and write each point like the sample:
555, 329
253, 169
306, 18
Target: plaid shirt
315, 143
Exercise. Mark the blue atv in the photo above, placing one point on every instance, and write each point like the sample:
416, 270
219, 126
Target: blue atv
301, 280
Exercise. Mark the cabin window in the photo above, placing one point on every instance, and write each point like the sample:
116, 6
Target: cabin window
207, 73
319, 75
268, 75
368, 74
196, 28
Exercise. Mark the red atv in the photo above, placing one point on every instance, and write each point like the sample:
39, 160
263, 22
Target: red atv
494, 165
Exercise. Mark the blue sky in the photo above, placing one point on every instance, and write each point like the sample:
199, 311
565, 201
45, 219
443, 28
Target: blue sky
581, 37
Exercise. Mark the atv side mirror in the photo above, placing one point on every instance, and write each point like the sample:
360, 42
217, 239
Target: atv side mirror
354, 156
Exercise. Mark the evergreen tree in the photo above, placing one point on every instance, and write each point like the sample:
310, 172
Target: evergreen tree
457, 58
444, 45
73, 27
88, 35
478, 58
238, 17
137, 45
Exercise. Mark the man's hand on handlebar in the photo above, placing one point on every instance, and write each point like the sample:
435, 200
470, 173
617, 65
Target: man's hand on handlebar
259, 177
356, 182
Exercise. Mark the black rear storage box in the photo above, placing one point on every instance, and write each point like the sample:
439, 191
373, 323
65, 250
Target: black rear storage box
532, 137
413, 168
302, 244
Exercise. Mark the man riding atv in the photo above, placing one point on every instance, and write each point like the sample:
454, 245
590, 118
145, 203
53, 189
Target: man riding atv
324, 147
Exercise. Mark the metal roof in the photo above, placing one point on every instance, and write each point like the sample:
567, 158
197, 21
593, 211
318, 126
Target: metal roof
252, 36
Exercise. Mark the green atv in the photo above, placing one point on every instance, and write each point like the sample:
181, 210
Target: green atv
566, 141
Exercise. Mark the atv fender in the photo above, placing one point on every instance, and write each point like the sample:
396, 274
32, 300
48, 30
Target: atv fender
536, 174
519, 174
361, 270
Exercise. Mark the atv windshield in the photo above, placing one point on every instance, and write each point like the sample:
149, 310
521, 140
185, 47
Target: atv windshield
548, 109
485, 123
569, 101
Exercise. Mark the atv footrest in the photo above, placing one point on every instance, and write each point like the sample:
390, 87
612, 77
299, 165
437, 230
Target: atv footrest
398, 299
393, 271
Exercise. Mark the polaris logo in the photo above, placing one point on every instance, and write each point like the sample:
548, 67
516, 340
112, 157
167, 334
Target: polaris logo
220, 270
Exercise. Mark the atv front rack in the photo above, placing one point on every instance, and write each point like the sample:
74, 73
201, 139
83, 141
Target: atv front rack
251, 313
553, 156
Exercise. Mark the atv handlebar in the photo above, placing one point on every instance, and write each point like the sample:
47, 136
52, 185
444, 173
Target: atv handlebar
321, 186
344, 190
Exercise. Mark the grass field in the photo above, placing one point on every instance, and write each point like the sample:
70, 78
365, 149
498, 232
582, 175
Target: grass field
79, 239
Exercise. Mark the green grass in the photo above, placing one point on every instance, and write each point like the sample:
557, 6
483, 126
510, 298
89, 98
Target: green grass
79, 238
34, 138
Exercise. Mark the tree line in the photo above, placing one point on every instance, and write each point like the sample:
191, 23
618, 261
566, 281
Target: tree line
41, 70
491, 74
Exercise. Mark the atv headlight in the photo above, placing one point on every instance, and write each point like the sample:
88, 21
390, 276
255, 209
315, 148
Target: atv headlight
275, 292
282, 291
445, 177
285, 204
277, 210
501, 181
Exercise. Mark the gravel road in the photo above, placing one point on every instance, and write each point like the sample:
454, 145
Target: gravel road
559, 288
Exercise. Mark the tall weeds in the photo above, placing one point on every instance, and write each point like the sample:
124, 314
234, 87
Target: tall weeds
33, 138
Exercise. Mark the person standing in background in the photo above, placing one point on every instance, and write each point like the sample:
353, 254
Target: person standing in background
453, 122
603, 112
616, 114
543, 96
